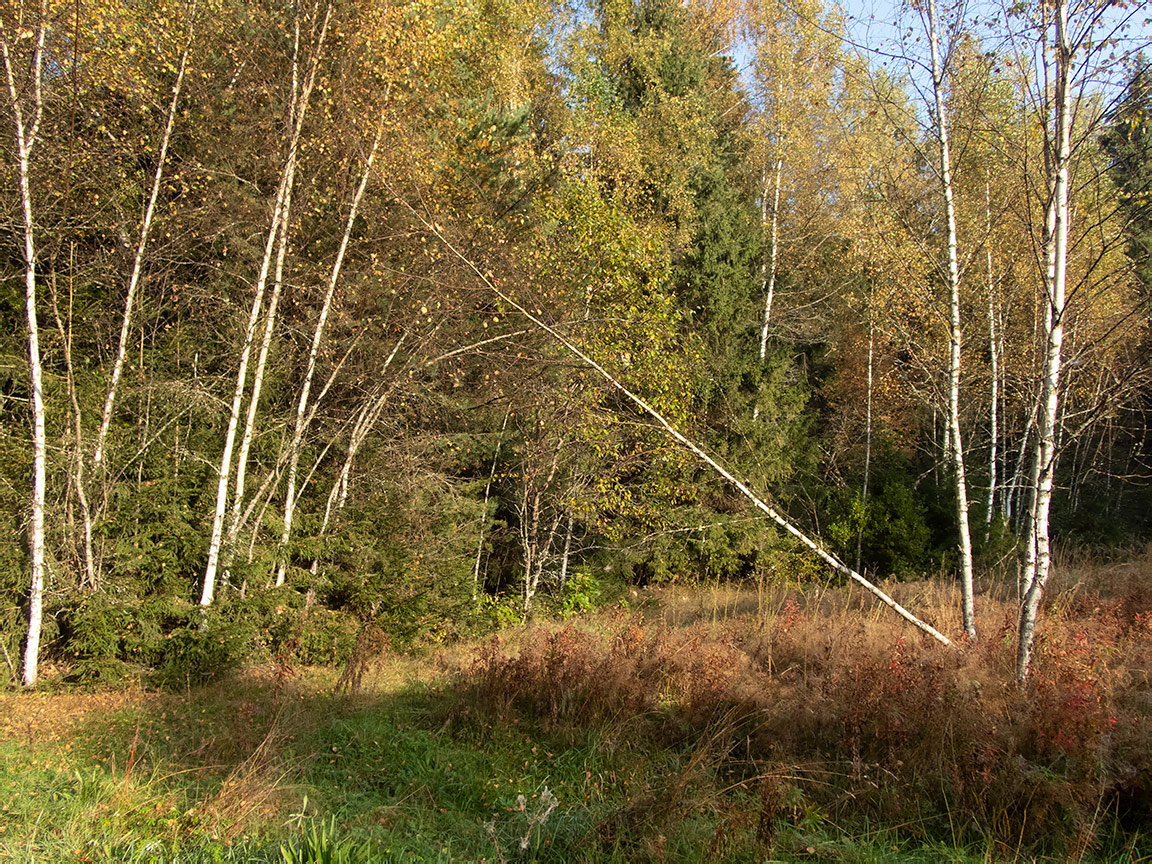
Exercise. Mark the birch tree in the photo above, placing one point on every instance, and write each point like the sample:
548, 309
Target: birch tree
683, 441
1071, 42
141, 246
796, 53
932, 25
225, 470
301, 424
283, 230
27, 111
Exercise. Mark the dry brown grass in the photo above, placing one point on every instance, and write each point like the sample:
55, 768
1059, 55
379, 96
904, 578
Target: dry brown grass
827, 688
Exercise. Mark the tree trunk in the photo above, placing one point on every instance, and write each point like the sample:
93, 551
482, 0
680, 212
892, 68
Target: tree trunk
1058, 256
26, 135
567, 552
956, 440
241, 375
317, 338
768, 270
141, 245
235, 521
535, 549
994, 439
369, 414
867, 447
89, 579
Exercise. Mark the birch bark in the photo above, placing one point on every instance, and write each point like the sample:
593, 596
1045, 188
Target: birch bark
225, 471
317, 338
768, 268
993, 400
27, 131
1055, 290
89, 579
236, 519
867, 444
955, 334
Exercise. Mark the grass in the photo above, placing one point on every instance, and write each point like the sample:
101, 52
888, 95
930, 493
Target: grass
697, 725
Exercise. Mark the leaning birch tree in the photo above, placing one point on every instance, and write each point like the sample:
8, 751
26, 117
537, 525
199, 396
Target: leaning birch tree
491, 283
300, 426
225, 471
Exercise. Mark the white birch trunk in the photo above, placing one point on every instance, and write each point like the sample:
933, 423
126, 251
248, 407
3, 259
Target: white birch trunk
867, 445
225, 471
567, 552
1005, 510
691, 446
993, 404
235, 520
535, 549
317, 338
542, 552
1035, 469
1056, 298
768, 279
955, 335
215, 542
26, 134
141, 245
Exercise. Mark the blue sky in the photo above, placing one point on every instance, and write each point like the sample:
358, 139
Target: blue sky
873, 28
873, 23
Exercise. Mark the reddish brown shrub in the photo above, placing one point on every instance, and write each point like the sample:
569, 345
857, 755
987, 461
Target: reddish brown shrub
870, 719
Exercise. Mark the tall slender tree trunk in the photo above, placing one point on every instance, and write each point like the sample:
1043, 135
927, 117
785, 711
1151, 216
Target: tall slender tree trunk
1005, 492
867, 445
1035, 466
89, 579
317, 339
567, 552
993, 401
236, 519
1056, 296
225, 471
536, 548
27, 131
141, 246
955, 335
768, 266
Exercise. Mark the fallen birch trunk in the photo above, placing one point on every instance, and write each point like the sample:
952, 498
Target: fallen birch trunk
695, 449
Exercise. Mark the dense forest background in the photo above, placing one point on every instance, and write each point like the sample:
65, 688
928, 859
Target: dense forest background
278, 254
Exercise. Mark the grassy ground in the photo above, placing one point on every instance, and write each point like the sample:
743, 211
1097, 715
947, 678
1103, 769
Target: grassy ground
696, 725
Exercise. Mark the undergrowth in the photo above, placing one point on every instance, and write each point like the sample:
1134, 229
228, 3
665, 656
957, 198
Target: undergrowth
729, 726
